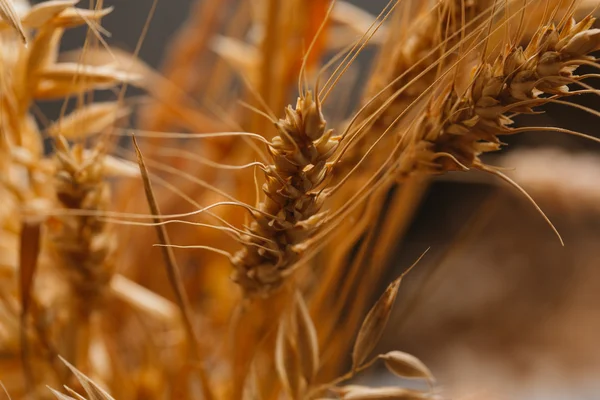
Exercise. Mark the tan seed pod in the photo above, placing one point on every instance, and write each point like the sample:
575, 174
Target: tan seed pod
356, 392
406, 365
72, 17
69, 72
143, 299
117, 167
41, 13
43, 51
88, 120
372, 328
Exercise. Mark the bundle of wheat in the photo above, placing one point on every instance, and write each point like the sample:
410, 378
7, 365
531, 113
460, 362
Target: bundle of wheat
85, 300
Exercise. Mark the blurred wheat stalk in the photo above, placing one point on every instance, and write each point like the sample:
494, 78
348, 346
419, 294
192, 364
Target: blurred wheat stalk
287, 214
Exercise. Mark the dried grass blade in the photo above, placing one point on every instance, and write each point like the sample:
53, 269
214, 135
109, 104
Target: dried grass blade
75, 395
92, 389
406, 365
308, 345
356, 392
118, 167
143, 299
59, 395
73, 17
68, 72
252, 388
287, 363
372, 328
173, 271
50, 90
9, 14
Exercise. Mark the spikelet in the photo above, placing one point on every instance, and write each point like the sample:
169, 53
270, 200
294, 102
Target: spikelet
25, 190
33, 73
405, 70
290, 211
458, 128
82, 246
91, 388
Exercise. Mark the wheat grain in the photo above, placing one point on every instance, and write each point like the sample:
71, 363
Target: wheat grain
467, 125
299, 168
406, 365
83, 246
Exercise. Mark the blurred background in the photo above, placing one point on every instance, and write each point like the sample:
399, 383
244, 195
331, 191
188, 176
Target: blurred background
498, 308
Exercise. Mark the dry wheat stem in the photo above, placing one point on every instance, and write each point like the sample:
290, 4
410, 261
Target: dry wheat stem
175, 277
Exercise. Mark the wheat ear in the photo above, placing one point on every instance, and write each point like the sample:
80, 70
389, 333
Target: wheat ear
292, 203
